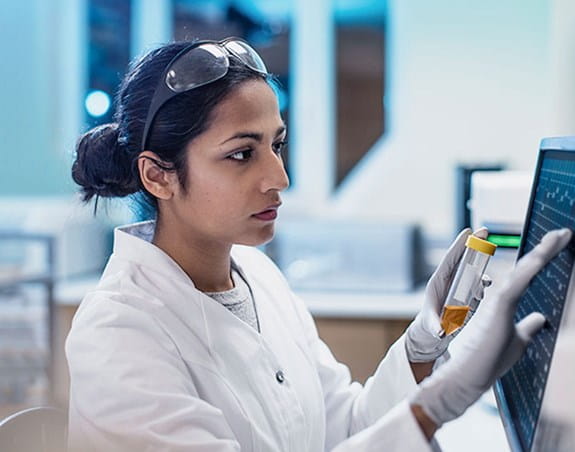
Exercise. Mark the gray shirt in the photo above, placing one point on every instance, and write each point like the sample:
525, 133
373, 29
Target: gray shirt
238, 300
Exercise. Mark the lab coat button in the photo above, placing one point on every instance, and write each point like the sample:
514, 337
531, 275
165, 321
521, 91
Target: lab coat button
280, 377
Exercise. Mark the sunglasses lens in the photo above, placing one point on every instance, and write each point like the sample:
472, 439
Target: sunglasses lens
247, 55
200, 65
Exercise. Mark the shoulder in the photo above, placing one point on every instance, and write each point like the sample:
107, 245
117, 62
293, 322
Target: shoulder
117, 305
106, 313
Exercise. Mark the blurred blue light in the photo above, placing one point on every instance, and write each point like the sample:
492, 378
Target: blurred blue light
97, 103
282, 99
281, 96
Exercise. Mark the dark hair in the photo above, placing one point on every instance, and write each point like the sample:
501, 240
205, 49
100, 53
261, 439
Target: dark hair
106, 156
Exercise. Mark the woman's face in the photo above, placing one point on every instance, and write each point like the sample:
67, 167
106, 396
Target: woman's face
235, 171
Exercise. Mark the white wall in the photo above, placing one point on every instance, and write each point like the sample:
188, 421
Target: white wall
468, 82
40, 89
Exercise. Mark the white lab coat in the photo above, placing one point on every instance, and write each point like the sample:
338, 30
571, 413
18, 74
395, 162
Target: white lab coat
156, 365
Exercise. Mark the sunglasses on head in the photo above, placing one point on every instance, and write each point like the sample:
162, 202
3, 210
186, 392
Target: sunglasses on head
197, 65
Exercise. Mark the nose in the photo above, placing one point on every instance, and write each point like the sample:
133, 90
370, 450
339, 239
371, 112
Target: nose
274, 176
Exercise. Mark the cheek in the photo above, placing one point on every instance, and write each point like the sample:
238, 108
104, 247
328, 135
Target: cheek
204, 188
215, 195
216, 199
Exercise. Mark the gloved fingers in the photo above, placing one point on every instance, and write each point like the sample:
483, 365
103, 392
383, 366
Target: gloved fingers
531, 263
438, 284
432, 324
525, 330
486, 280
428, 324
529, 326
551, 244
446, 268
479, 290
482, 233
453, 255
423, 342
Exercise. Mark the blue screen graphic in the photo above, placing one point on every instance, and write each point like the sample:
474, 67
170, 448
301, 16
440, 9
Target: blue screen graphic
553, 206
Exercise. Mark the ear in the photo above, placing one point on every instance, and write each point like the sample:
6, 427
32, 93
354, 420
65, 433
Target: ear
156, 176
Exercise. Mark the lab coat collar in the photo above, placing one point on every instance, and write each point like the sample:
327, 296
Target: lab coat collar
134, 242
179, 294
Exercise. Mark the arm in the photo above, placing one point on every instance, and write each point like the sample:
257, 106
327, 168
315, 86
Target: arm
424, 341
489, 345
425, 346
130, 390
426, 425
370, 417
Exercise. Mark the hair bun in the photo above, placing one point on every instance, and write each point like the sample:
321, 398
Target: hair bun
102, 166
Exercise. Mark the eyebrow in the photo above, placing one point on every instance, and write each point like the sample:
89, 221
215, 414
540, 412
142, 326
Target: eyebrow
253, 135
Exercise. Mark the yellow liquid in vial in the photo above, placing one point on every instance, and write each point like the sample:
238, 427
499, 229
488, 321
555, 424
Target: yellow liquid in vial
453, 318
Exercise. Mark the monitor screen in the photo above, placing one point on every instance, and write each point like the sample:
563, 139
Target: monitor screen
520, 391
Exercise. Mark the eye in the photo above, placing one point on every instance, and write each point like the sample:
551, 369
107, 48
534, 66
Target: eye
279, 146
242, 155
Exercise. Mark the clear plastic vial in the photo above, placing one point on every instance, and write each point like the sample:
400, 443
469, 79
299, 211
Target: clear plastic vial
468, 275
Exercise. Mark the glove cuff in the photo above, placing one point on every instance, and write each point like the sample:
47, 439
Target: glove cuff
442, 398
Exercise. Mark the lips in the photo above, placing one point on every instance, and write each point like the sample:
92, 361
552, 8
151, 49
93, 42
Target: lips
268, 214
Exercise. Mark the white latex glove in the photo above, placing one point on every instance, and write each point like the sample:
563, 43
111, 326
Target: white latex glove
424, 340
491, 343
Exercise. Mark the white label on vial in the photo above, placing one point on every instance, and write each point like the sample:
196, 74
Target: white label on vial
469, 278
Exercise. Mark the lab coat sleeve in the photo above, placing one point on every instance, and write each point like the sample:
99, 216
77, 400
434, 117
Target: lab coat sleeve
397, 431
129, 390
375, 416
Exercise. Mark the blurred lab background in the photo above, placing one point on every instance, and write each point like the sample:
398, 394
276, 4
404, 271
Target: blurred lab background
408, 120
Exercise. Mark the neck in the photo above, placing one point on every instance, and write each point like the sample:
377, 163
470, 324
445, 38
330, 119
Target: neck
207, 263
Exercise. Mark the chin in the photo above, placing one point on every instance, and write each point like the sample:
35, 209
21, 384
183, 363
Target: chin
261, 237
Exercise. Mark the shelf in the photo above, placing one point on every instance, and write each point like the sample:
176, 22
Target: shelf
7, 282
14, 285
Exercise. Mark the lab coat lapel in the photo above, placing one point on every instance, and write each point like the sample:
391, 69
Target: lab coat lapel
283, 343
249, 369
162, 278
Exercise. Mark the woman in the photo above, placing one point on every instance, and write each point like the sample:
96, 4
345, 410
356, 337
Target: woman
192, 339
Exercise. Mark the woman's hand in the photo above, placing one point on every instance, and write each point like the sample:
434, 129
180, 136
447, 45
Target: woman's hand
424, 340
490, 344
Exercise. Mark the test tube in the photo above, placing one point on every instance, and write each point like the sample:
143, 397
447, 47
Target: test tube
468, 275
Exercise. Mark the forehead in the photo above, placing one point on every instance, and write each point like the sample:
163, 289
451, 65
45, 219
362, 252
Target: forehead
252, 104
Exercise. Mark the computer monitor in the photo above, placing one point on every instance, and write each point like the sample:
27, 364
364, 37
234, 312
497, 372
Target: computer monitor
521, 392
